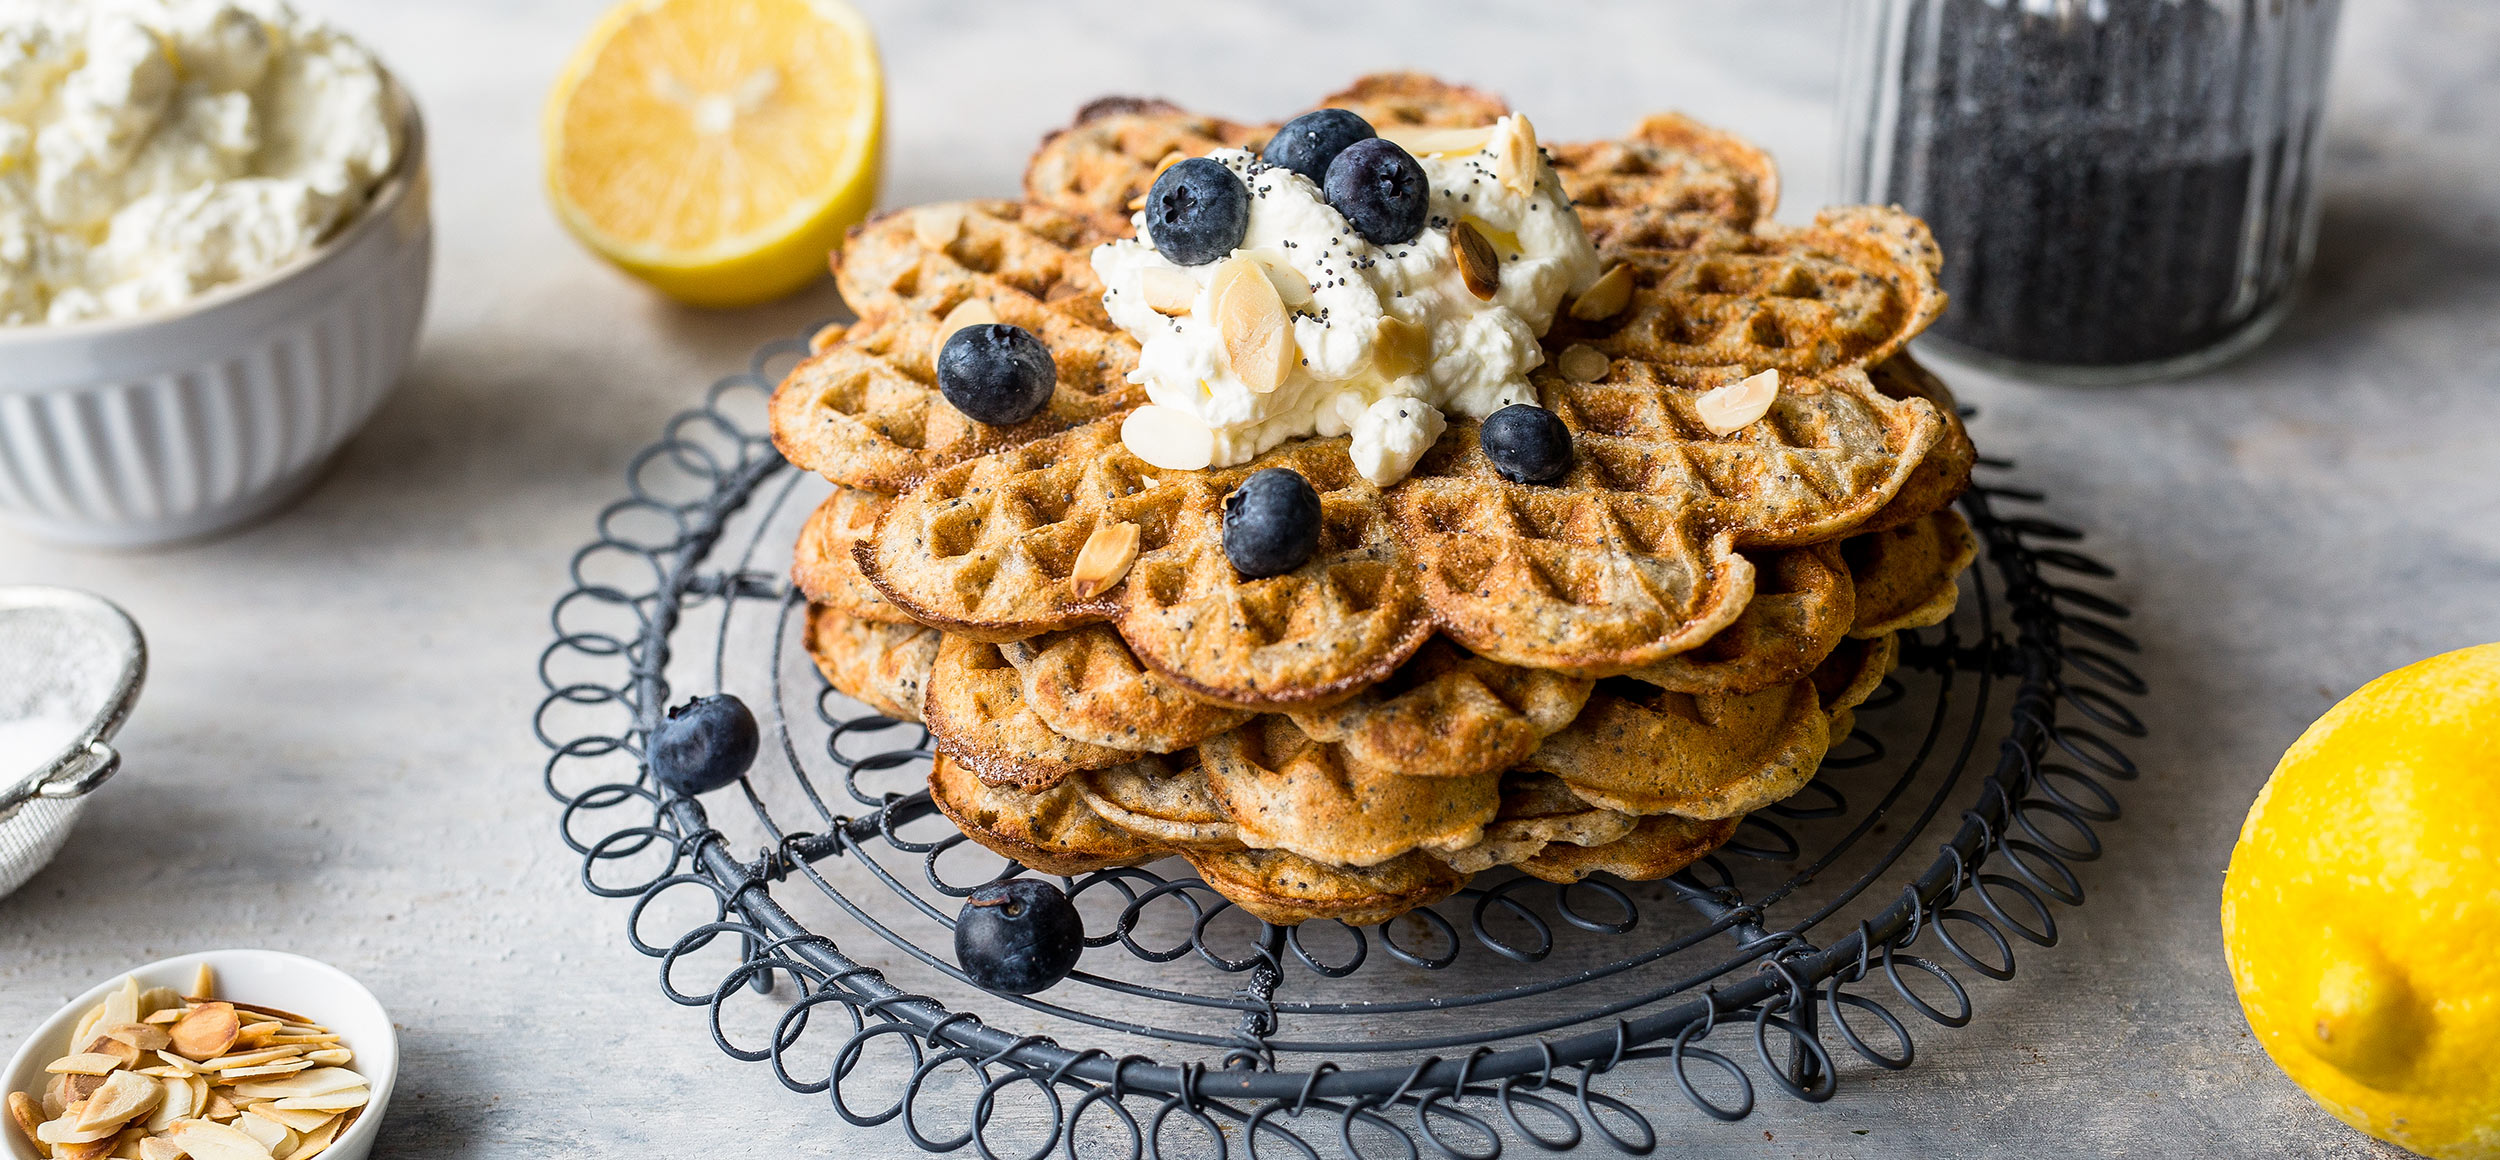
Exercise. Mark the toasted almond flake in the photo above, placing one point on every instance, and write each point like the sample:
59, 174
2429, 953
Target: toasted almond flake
84, 1063
87, 1024
330, 1102
1605, 297
969, 312
1251, 319
65, 1090
107, 1045
1732, 408
180, 1100
206, 1140
1582, 363
1515, 157
91, 1150
1168, 437
167, 1015
300, 1121
26, 1114
178, 1063
123, 1096
252, 1058
1104, 559
270, 1133
325, 1038
1292, 288
825, 336
219, 1107
204, 981
1422, 141
238, 1073
310, 1083
208, 1031
1168, 291
1478, 266
141, 1036
1401, 348
937, 226
66, 1130
159, 1148
156, 999
318, 1139
331, 1056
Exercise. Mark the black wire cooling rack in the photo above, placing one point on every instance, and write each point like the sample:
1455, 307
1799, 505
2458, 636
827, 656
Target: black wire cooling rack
1949, 820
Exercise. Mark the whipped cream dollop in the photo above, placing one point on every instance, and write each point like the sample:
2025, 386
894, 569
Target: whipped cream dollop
1386, 339
152, 150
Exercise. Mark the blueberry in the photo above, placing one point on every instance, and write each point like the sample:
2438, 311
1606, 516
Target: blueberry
998, 374
1380, 190
1309, 142
1271, 523
1018, 936
704, 744
1197, 212
1527, 444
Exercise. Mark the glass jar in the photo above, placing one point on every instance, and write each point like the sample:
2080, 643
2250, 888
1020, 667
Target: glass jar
2123, 189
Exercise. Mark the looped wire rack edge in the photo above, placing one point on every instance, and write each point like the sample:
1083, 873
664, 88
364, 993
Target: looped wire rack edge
1744, 990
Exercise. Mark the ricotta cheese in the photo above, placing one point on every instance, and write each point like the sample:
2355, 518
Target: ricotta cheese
152, 150
1387, 337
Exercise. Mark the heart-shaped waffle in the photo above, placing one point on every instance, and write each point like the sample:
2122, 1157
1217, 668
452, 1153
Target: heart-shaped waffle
1803, 604
1657, 846
1643, 750
1086, 685
1165, 800
1849, 290
866, 411
1104, 162
976, 714
1285, 791
1673, 184
1285, 888
1446, 713
1538, 810
986, 549
822, 566
1909, 577
1052, 831
883, 666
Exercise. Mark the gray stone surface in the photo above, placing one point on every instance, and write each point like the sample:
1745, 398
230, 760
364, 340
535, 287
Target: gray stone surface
333, 756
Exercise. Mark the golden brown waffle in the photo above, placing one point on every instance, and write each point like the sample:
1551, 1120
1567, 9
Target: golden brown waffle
1673, 184
1643, 750
1631, 556
1086, 685
1164, 800
1803, 604
1285, 888
1851, 675
1412, 99
1846, 291
1944, 475
984, 549
1107, 158
1445, 713
1285, 791
1538, 810
1660, 845
866, 412
1909, 577
883, 666
822, 566
1053, 831
976, 714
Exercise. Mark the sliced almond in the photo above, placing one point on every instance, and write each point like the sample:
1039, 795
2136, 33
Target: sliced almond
26, 1114
107, 1045
1168, 437
91, 1150
310, 1083
1422, 141
158, 999
178, 1063
1401, 348
66, 1130
1732, 408
142, 1036
306, 1122
318, 1139
331, 1056
270, 1133
1292, 288
206, 1140
65, 1090
937, 226
204, 982
256, 1071
179, 1102
1582, 363
825, 336
122, 1097
1605, 297
207, 1032
159, 1148
969, 312
85, 1063
87, 1024
219, 1107
354, 1097
167, 1015
1104, 559
1168, 291
1515, 157
1478, 266
251, 1058
1251, 318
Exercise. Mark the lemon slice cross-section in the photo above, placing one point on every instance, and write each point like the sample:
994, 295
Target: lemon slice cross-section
718, 149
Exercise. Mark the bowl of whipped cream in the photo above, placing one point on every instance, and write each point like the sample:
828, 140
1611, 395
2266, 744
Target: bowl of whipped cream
214, 255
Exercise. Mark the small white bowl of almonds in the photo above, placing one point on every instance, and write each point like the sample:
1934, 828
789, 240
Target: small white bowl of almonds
206, 1056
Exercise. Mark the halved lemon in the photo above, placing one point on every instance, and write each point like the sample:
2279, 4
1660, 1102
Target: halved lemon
717, 149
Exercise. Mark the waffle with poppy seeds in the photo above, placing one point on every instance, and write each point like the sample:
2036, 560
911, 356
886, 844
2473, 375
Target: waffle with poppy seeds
880, 665
1905, 577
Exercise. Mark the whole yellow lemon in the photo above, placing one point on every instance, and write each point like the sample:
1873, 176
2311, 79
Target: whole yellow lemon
2361, 913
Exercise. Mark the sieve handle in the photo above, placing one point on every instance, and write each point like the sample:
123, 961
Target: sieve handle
83, 773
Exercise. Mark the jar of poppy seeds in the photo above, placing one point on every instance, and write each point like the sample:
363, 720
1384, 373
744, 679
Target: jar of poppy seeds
2123, 189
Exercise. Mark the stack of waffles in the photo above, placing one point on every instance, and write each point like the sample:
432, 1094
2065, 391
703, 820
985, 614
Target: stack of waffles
1601, 674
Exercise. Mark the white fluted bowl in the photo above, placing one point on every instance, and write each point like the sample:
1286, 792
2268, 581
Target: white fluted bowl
126, 432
